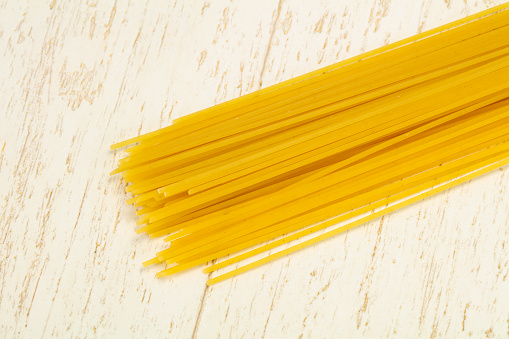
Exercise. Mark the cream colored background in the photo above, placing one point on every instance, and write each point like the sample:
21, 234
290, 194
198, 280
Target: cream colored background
78, 76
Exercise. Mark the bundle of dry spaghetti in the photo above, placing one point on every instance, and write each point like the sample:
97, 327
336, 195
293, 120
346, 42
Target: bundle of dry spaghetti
339, 146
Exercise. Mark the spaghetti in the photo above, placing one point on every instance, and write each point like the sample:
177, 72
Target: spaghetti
373, 133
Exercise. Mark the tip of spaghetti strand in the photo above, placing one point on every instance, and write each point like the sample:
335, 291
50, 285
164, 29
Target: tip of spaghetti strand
125, 143
139, 230
118, 145
208, 269
166, 272
116, 171
131, 201
192, 191
161, 192
212, 281
140, 222
140, 203
151, 262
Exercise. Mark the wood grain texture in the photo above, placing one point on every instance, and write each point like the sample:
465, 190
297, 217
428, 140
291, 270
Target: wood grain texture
78, 76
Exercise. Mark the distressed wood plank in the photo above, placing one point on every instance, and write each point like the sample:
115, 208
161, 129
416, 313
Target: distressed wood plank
75, 78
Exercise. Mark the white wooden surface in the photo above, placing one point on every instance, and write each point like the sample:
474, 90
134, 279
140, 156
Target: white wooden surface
78, 76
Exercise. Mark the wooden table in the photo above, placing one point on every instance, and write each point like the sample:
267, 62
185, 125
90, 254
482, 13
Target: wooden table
76, 77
